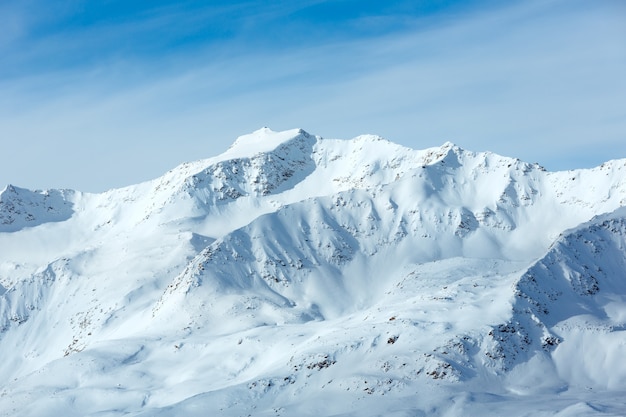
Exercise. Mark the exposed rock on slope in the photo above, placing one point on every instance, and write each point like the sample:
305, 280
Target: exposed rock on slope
20, 208
298, 275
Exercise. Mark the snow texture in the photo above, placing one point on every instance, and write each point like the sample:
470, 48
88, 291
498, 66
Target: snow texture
296, 275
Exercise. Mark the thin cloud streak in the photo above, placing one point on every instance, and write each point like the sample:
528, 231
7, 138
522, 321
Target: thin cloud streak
541, 84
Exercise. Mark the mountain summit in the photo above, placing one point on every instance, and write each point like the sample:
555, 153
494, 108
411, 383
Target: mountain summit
296, 275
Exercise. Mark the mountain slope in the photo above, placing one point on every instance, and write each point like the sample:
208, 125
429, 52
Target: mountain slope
292, 269
20, 208
572, 301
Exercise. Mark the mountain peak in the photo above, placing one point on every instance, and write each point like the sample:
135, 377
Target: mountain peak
450, 145
20, 208
262, 140
9, 188
291, 268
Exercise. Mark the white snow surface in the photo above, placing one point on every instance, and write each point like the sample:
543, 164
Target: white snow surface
300, 276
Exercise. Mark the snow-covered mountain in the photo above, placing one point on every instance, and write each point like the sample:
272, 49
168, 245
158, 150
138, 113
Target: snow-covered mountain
295, 275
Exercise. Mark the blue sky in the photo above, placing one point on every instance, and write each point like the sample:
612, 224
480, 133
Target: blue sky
102, 94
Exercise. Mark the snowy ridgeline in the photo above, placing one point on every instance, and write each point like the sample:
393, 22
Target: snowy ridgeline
21, 208
295, 275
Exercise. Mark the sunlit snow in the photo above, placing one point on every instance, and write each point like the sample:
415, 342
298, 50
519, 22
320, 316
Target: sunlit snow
295, 275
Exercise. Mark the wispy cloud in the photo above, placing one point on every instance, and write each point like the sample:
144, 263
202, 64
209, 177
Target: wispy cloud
543, 81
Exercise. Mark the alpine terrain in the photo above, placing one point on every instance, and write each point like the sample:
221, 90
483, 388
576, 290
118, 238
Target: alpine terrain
300, 276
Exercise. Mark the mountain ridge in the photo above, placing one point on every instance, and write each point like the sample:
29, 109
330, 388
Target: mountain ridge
311, 267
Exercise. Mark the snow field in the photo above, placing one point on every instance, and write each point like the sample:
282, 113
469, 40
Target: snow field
295, 275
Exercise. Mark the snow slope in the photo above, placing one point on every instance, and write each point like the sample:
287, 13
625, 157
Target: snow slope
20, 208
295, 275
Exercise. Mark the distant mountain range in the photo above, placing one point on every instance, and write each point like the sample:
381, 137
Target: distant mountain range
300, 276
